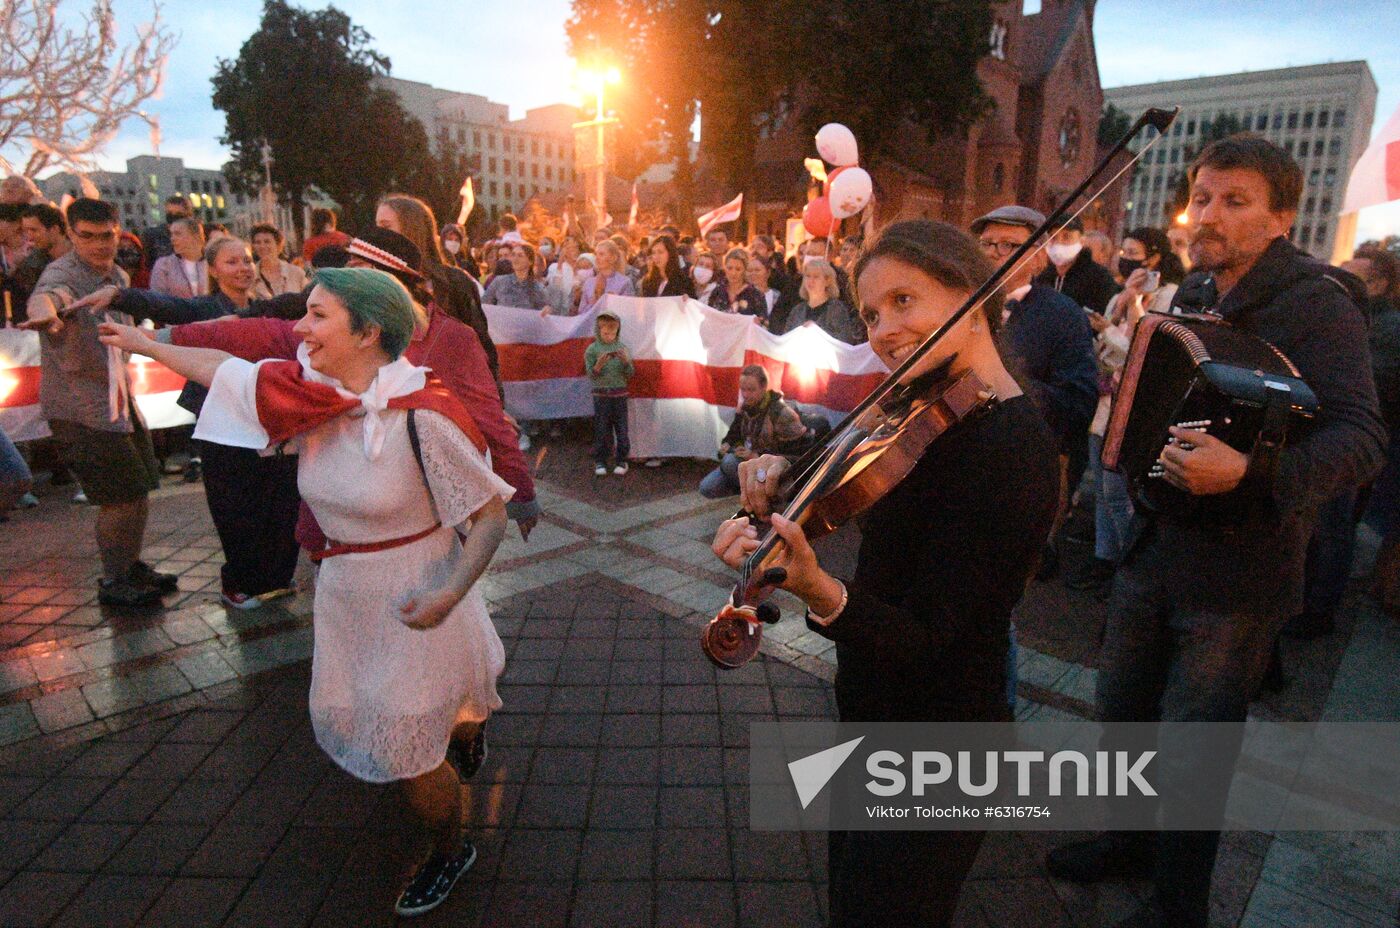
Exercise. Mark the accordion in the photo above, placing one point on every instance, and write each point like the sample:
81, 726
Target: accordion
1199, 372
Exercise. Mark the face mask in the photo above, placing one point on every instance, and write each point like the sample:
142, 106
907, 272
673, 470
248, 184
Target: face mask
1063, 254
452, 245
1126, 266
703, 275
546, 249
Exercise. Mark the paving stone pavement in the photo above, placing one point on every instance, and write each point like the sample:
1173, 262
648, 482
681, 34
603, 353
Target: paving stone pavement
159, 768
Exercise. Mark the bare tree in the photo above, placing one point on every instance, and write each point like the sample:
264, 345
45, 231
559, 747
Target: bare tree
67, 85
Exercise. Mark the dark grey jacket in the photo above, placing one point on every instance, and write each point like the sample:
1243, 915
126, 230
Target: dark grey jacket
1309, 311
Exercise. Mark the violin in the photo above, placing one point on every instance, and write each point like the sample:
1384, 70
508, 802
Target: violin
879, 442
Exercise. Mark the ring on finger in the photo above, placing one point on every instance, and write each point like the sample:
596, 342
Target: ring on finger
762, 475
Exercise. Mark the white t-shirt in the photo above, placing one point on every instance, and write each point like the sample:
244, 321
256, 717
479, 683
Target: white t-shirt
191, 269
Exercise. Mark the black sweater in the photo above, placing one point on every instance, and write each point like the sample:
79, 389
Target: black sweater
1085, 281
944, 558
1308, 311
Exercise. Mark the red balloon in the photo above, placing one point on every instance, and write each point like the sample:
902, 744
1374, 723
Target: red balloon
830, 176
816, 218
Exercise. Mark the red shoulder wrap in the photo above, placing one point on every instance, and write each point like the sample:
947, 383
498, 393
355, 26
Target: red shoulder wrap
289, 404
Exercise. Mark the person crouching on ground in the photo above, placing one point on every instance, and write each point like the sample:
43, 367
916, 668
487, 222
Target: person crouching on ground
609, 365
764, 424
405, 658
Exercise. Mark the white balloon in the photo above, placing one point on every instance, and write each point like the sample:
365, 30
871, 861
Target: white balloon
837, 145
849, 193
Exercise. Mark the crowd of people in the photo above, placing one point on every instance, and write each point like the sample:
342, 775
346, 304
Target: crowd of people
353, 391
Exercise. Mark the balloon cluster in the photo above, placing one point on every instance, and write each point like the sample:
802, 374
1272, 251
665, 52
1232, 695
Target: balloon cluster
846, 190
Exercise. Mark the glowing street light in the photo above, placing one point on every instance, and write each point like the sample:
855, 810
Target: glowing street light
596, 82
1182, 218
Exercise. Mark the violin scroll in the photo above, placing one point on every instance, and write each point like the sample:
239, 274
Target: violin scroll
732, 638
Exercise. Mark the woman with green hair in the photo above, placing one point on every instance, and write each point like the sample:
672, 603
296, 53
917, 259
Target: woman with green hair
406, 657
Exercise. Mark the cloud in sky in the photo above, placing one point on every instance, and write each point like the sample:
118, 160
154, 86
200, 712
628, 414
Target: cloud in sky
516, 53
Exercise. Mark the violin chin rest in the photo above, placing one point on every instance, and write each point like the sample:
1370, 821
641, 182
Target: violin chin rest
731, 640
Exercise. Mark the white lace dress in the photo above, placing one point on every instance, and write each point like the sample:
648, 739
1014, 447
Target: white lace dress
385, 697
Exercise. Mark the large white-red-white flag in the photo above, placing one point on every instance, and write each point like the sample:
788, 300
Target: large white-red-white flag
726, 213
154, 386
1376, 177
687, 358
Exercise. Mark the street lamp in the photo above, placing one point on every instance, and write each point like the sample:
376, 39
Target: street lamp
596, 81
269, 199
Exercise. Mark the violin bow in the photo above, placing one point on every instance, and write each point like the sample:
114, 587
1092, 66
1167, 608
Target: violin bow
1160, 119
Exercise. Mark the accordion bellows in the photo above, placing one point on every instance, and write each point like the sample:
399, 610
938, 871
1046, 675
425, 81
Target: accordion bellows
1200, 372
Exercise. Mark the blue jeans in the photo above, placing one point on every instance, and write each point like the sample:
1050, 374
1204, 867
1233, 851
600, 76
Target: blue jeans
1113, 506
610, 429
1163, 662
15, 479
723, 480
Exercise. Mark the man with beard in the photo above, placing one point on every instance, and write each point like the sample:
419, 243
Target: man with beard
1196, 607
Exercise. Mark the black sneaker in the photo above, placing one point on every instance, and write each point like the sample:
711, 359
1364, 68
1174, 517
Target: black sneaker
1111, 856
126, 594
194, 470
434, 880
143, 574
466, 757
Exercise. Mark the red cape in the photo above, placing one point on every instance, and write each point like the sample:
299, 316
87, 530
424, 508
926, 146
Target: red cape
289, 405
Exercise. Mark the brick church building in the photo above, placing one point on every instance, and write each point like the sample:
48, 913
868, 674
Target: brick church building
1032, 147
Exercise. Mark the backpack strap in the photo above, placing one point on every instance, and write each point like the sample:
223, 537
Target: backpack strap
417, 446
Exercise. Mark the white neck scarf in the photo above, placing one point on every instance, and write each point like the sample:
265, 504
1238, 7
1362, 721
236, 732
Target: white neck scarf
397, 378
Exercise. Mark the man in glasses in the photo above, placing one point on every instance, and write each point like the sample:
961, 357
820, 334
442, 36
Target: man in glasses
1044, 331
1048, 338
85, 390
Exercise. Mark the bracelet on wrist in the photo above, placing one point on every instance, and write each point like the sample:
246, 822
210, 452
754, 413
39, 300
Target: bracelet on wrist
835, 613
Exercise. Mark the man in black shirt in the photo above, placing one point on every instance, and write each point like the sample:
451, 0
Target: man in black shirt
1074, 272
1195, 608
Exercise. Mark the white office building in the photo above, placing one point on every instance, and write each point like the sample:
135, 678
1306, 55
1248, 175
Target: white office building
140, 192
515, 159
1320, 114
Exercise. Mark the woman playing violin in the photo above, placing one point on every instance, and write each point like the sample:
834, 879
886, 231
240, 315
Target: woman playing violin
921, 630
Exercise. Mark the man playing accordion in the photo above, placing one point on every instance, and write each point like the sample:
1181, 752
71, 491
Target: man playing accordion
1197, 604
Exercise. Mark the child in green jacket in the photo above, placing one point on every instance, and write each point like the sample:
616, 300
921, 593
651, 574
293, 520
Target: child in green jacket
609, 365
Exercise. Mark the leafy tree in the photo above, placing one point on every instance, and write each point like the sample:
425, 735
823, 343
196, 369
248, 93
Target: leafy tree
1222, 127
304, 82
1113, 125
744, 67
880, 68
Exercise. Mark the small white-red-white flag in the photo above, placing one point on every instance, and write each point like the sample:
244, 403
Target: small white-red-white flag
1376, 177
726, 213
468, 201
632, 212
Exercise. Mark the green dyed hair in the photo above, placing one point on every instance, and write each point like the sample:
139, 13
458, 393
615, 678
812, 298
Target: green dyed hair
372, 298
